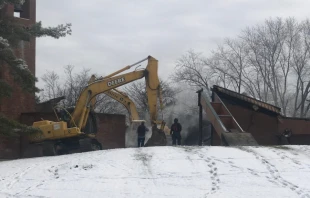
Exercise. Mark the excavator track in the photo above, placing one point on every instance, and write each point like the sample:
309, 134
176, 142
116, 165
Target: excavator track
89, 144
48, 148
67, 146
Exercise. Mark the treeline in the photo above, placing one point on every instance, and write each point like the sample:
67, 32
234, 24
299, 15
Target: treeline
268, 61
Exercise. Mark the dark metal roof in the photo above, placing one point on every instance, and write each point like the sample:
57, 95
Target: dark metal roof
247, 99
54, 100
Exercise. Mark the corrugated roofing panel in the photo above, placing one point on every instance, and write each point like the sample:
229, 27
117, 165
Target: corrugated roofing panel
248, 99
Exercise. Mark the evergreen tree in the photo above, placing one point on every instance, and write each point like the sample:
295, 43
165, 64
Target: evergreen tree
11, 34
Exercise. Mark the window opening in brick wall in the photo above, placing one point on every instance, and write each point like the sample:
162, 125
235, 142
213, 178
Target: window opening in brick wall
17, 10
17, 14
22, 10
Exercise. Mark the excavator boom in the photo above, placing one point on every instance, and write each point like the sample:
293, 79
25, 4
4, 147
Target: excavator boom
80, 113
92, 90
119, 96
126, 102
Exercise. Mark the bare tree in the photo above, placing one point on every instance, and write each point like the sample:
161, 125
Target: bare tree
105, 104
267, 60
230, 62
137, 92
270, 62
301, 69
72, 86
292, 31
265, 44
193, 69
52, 87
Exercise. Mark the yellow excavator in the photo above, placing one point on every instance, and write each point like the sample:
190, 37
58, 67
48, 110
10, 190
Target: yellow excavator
134, 118
79, 132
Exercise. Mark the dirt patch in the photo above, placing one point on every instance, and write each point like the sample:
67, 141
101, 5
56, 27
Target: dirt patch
280, 147
144, 157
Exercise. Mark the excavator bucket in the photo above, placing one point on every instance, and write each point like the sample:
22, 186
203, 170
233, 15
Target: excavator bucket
158, 138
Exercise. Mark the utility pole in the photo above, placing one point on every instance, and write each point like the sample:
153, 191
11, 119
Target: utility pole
200, 117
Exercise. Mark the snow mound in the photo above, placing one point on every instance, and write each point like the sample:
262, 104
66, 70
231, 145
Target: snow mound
154, 172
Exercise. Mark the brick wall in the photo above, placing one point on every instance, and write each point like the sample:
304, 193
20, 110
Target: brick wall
267, 129
20, 101
300, 129
112, 131
264, 128
298, 126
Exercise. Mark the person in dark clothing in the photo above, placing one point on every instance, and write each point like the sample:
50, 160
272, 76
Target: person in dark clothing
141, 134
176, 129
287, 134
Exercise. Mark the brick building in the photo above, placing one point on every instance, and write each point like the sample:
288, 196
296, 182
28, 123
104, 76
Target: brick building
20, 101
22, 107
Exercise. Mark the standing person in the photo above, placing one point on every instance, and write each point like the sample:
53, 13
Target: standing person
141, 134
176, 129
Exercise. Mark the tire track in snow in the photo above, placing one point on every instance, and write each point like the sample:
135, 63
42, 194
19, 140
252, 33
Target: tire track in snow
275, 176
17, 176
29, 189
145, 159
52, 170
7, 195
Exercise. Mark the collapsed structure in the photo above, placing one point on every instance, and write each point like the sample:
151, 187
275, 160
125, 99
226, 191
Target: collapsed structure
238, 119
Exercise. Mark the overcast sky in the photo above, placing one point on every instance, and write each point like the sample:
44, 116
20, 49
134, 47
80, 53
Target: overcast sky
110, 34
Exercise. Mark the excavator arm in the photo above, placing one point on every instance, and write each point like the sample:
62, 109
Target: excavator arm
121, 97
126, 102
110, 82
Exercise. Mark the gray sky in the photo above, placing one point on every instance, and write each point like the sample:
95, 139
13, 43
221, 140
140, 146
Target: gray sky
110, 34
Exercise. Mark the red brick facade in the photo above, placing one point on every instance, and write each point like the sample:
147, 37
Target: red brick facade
20, 101
111, 131
111, 127
264, 128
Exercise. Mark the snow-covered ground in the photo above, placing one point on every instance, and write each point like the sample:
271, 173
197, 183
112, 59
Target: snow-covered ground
163, 172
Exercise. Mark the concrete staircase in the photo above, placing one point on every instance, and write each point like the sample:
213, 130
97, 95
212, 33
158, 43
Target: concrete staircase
225, 125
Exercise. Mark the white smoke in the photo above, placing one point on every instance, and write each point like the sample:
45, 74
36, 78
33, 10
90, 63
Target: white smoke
131, 135
185, 109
